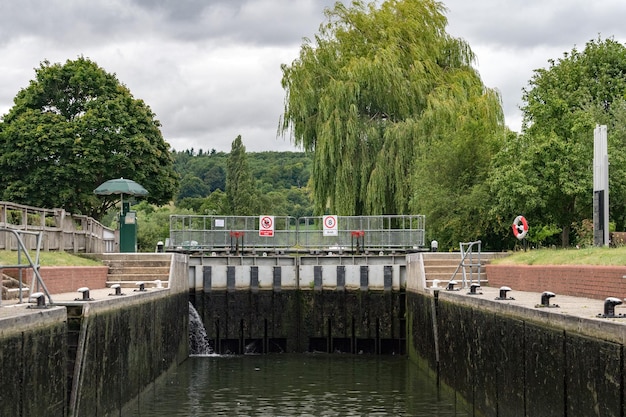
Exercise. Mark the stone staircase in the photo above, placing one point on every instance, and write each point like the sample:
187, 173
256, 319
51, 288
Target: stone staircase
11, 288
128, 269
439, 268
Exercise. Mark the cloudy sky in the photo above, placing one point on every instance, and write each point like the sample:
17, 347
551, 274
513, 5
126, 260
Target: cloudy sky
210, 69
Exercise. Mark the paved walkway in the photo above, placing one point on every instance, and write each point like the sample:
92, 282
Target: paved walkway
567, 305
13, 308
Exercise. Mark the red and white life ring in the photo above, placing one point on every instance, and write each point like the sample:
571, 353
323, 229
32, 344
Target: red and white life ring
520, 227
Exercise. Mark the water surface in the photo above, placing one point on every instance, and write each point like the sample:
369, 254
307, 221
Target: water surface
298, 385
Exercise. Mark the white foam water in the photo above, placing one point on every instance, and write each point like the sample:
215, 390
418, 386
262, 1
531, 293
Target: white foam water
198, 339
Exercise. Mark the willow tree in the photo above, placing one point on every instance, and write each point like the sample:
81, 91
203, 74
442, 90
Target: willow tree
378, 86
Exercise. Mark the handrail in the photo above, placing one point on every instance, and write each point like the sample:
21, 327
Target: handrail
34, 265
63, 231
467, 252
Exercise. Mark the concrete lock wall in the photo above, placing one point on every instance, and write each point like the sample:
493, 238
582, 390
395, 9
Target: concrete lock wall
351, 321
124, 349
33, 378
378, 272
325, 303
507, 361
92, 358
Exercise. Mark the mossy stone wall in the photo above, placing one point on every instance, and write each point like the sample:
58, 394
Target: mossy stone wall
126, 349
505, 365
123, 346
33, 377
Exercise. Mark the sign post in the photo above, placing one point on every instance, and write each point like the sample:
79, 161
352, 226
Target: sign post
600, 187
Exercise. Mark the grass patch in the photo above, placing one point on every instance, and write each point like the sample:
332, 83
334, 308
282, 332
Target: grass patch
584, 256
48, 259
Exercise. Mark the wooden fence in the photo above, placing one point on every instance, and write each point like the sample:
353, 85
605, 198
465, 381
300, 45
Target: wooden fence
61, 231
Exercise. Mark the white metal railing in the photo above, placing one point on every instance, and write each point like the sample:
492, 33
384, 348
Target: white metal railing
32, 264
353, 233
470, 264
193, 232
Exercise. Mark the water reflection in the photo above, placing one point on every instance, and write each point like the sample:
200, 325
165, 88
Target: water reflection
297, 385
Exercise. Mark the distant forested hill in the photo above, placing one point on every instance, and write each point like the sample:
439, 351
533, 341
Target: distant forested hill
281, 179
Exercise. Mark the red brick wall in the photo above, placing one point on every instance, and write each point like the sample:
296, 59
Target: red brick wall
589, 281
60, 279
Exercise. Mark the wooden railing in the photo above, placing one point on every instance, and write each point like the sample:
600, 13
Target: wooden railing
62, 231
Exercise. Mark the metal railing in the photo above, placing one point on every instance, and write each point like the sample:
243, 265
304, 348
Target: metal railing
62, 231
33, 264
369, 232
470, 264
351, 233
192, 232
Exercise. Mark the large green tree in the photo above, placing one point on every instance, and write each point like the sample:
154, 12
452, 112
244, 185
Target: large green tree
378, 90
547, 173
74, 127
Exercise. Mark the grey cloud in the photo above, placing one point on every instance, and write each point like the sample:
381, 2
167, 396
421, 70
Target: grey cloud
531, 23
72, 23
210, 69
260, 22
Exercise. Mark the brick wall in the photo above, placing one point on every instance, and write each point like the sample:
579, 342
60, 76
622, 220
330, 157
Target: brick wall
60, 279
589, 281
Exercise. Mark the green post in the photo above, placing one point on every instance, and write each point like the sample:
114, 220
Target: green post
128, 229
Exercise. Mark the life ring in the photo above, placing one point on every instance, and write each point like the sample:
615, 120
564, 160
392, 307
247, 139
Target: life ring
520, 227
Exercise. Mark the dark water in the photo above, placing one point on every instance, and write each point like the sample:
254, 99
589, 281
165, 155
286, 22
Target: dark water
298, 385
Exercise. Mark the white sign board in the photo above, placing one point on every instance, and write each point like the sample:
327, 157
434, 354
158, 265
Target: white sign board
266, 226
330, 226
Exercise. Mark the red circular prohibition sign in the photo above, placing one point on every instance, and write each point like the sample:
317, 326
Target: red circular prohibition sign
266, 223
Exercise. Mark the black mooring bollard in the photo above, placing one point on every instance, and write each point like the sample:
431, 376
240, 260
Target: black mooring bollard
609, 306
545, 300
503, 294
474, 289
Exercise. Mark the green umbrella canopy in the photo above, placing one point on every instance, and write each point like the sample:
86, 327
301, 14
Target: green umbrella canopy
120, 186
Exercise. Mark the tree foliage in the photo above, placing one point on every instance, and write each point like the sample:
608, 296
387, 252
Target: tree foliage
74, 127
378, 92
547, 173
280, 179
240, 192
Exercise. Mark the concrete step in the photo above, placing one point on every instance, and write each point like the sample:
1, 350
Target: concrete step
455, 262
442, 283
441, 269
449, 269
459, 276
143, 263
14, 293
442, 255
138, 276
133, 284
124, 270
132, 256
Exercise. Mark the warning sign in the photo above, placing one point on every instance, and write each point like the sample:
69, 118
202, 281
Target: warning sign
330, 226
266, 226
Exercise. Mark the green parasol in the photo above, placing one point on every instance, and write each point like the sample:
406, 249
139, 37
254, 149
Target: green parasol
120, 186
